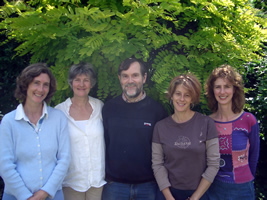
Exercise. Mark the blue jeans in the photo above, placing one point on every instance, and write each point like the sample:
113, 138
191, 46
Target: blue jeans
122, 191
58, 196
229, 191
181, 194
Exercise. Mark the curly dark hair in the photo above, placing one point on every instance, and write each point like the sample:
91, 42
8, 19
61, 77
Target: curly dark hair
190, 82
226, 72
26, 77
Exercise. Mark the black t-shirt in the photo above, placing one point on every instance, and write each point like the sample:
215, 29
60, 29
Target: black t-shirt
128, 129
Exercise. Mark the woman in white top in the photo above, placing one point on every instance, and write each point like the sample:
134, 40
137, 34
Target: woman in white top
85, 178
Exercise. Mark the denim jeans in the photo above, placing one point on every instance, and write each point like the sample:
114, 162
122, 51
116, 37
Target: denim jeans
229, 191
181, 194
122, 191
58, 196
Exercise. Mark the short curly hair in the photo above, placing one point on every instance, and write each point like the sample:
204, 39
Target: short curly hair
190, 82
26, 77
226, 72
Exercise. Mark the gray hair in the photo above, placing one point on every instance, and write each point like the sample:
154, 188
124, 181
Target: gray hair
82, 68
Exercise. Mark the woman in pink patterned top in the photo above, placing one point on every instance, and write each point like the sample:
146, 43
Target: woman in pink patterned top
238, 136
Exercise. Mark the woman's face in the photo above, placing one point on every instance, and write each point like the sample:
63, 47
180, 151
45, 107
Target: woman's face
223, 91
81, 85
181, 99
38, 89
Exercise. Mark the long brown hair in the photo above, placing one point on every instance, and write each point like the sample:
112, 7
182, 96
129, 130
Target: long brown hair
226, 72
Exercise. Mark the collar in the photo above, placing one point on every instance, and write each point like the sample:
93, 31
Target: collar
136, 100
20, 114
68, 102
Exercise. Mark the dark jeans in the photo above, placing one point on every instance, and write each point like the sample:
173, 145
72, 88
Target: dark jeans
229, 191
122, 191
181, 194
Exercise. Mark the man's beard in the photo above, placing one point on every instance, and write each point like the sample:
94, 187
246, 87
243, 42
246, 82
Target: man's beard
137, 91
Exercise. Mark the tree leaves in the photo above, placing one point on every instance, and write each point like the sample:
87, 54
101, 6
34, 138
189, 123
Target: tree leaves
173, 37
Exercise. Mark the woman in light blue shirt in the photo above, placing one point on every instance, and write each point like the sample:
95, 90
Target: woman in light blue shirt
34, 140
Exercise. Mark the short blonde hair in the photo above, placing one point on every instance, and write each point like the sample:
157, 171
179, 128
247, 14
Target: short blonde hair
190, 82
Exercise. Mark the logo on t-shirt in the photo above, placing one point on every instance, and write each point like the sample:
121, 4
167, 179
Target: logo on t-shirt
182, 142
147, 124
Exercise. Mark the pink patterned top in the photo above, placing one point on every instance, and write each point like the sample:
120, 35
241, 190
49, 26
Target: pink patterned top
239, 148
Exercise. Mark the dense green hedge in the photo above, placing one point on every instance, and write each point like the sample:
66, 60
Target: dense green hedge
256, 84
171, 36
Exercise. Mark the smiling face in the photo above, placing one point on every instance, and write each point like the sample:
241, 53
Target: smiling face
81, 85
181, 99
132, 81
223, 91
38, 89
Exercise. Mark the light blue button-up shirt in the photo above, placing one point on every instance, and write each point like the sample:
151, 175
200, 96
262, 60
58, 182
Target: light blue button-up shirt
34, 157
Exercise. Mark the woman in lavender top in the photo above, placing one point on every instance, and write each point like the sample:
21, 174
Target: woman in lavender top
185, 147
238, 136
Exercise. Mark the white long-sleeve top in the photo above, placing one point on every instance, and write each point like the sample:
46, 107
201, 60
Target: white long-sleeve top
87, 167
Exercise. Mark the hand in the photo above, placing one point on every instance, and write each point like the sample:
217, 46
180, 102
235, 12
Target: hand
40, 195
167, 194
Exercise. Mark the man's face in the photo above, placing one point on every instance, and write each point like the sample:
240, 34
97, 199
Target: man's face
132, 81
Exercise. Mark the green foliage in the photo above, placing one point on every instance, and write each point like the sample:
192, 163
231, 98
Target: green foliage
9, 70
256, 87
174, 37
257, 92
260, 4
